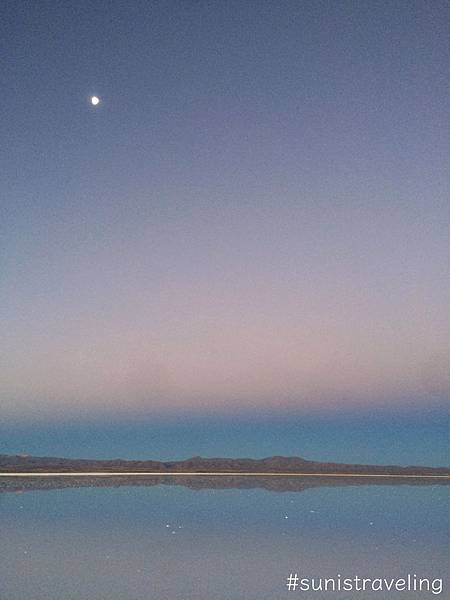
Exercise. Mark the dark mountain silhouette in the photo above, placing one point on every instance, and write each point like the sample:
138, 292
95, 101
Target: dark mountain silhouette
197, 464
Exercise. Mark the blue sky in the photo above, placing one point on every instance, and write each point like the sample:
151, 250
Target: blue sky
254, 218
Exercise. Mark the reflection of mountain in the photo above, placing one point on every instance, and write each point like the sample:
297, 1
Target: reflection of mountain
203, 482
231, 473
197, 464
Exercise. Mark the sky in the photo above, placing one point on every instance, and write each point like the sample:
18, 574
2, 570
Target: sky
254, 219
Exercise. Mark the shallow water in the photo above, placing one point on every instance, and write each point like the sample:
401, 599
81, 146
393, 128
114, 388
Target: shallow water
175, 543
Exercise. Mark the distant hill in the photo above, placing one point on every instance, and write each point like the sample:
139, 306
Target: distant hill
197, 464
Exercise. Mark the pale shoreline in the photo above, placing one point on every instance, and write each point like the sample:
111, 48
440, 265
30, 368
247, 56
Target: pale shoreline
218, 474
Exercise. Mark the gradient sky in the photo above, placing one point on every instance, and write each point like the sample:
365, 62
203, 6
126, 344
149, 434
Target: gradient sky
255, 217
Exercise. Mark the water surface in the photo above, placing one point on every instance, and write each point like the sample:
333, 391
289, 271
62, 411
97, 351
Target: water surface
176, 543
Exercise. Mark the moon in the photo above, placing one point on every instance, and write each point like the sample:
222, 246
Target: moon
95, 100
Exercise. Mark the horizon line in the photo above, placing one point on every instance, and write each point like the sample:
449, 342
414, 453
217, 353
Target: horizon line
215, 474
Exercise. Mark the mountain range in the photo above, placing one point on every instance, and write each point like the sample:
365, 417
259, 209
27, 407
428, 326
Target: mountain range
197, 464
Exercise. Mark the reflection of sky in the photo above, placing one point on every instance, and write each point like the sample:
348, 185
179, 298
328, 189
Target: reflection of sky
116, 543
255, 216
402, 510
